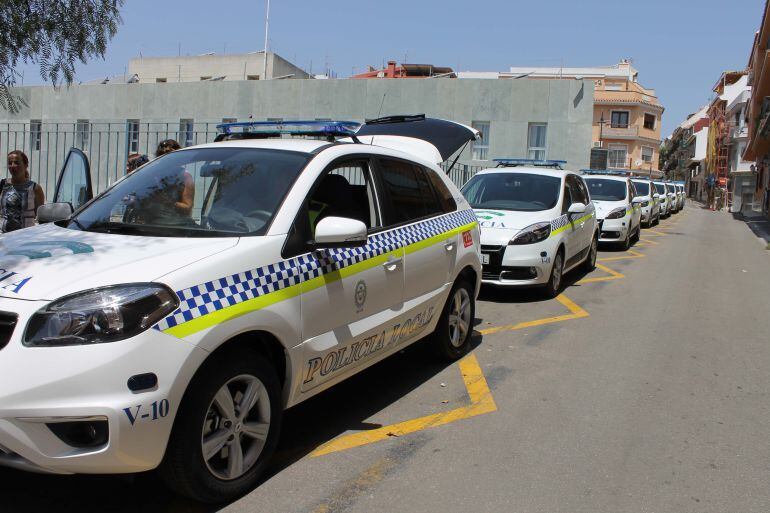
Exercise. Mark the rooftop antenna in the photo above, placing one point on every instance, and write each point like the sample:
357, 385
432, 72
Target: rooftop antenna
267, 27
379, 114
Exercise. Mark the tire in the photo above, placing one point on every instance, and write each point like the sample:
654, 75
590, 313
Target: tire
553, 287
626, 244
637, 234
589, 264
452, 338
204, 410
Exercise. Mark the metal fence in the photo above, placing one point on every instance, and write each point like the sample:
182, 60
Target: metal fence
107, 146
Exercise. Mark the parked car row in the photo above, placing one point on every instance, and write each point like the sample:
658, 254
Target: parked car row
139, 334
539, 221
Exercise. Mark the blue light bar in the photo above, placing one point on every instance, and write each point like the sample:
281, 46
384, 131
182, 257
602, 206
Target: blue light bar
530, 162
277, 128
614, 172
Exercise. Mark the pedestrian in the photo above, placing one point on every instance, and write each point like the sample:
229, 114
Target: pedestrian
20, 197
134, 161
167, 146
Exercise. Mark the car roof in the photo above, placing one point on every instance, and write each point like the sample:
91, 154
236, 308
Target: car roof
529, 170
606, 177
302, 145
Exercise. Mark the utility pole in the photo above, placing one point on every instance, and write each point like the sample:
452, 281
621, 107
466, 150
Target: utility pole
267, 26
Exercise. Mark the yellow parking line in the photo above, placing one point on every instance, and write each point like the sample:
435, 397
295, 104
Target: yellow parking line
656, 233
481, 402
576, 312
628, 255
647, 241
613, 275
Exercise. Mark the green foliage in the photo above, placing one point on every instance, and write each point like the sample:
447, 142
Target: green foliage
55, 34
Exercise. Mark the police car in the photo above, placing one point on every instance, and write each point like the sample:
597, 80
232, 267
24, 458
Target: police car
680, 194
144, 331
536, 220
618, 209
650, 204
665, 203
673, 200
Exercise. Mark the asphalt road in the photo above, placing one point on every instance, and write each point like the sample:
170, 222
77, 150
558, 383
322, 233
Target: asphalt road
644, 389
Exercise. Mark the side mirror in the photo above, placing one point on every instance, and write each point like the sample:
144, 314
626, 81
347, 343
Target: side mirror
339, 232
638, 201
51, 212
576, 208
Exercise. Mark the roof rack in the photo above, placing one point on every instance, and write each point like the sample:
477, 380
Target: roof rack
556, 164
268, 129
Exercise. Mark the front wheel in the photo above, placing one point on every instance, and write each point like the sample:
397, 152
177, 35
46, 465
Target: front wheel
590, 262
452, 338
626, 244
226, 429
553, 287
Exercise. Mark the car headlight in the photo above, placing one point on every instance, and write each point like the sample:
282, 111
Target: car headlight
617, 213
531, 234
100, 315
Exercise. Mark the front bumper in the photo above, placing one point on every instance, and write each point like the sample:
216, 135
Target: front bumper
614, 230
518, 266
40, 387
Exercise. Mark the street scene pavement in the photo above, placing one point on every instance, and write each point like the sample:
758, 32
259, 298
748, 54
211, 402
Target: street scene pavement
643, 387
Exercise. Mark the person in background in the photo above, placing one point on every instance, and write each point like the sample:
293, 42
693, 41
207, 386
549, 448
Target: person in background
134, 161
167, 146
183, 201
19, 196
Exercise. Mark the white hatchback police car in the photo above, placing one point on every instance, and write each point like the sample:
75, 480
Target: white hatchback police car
146, 332
665, 203
650, 201
536, 220
618, 209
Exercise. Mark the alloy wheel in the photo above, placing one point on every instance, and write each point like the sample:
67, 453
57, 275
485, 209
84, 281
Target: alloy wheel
236, 427
459, 317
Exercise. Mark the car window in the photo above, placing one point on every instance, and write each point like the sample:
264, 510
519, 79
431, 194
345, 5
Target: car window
583, 189
642, 188
197, 193
523, 192
445, 198
567, 198
631, 191
576, 191
660, 188
603, 189
409, 194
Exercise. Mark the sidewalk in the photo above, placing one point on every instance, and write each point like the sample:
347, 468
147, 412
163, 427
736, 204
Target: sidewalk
760, 225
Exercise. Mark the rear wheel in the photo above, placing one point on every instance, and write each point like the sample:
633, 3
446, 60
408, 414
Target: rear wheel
553, 287
225, 431
452, 338
590, 262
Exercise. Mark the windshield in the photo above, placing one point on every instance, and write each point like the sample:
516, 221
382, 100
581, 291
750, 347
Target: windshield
207, 192
670, 188
642, 188
513, 191
606, 190
660, 188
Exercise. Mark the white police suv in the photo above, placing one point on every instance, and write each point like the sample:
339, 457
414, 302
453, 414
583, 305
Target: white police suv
618, 209
536, 220
665, 203
650, 201
148, 330
673, 200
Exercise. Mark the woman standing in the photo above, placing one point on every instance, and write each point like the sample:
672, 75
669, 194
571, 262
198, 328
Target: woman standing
19, 196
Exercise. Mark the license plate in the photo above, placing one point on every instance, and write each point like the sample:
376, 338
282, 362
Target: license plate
484, 258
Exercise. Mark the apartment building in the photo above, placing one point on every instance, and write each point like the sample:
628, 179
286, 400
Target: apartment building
626, 117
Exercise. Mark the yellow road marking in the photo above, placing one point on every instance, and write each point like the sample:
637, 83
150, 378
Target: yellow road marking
656, 233
576, 312
628, 255
613, 275
481, 402
647, 241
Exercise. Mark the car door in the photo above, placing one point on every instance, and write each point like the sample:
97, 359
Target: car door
587, 225
636, 217
353, 293
572, 233
74, 183
411, 203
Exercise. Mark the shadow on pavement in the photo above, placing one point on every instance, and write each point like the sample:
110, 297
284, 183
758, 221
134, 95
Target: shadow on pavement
759, 225
344, 407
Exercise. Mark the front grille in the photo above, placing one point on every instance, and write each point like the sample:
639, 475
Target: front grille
495, 253
506, 272
7, 325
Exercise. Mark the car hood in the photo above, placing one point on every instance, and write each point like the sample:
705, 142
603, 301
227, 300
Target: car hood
605, 207
499, 226
47, 262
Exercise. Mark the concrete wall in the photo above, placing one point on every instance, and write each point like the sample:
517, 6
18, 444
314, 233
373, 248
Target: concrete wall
509, 105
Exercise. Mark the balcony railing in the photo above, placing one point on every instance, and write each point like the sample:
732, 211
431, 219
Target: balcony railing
620, 132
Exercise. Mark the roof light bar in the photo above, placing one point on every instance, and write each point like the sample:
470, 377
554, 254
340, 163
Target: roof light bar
530, 162
278, 128
611, 172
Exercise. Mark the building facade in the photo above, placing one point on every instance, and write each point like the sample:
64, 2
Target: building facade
626, 116
548, 118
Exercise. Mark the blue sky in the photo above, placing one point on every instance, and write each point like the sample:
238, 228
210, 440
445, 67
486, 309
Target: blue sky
669, 41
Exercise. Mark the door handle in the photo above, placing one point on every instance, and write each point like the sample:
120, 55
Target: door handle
450, 245
391, 265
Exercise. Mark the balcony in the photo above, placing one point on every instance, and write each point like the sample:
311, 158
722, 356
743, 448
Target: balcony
631, 132
626, 98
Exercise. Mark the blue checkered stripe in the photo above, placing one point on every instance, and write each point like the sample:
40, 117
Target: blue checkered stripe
215, 295
559, 222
